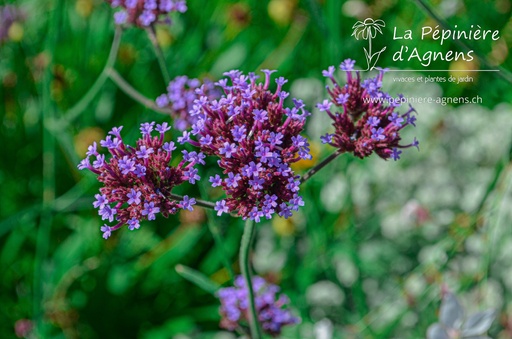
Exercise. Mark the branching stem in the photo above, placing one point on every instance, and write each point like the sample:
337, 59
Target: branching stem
133, 93
319, 166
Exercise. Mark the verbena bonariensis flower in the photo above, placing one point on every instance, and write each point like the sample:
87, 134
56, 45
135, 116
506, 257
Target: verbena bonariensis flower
256, 139
180, 97
270, 307
365, 117
137, 181
144, 13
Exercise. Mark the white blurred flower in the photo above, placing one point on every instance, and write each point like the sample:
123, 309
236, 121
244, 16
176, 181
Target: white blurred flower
454, 325
323, 329
325, 293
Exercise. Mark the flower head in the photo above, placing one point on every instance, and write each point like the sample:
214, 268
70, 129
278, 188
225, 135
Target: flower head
270, 306
256, 138
365, 121
137, 181
347, 65
144, 13
180, 97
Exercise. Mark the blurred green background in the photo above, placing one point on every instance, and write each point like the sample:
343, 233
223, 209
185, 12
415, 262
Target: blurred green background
367, 255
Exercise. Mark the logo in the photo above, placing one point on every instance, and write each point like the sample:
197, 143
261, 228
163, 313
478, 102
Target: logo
367, 30
408, 47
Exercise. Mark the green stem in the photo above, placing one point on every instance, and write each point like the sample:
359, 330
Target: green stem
48, 113
245, 249
319, 166
133, 93
159, 54
199, 202
81, 105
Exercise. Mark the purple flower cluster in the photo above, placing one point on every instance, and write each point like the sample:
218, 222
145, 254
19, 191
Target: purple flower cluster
8, 15
138, 180
256, 139
367, 121
144, 13
269, 306
180, 97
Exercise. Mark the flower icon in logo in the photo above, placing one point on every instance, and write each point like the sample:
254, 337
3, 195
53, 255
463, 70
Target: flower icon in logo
367, 30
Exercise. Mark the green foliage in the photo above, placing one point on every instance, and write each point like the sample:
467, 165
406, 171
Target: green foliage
369, 250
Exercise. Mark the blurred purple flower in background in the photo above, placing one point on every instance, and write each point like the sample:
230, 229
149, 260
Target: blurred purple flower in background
270, 306
180, 97
138, 180
23, 328
144, 13
256, 139
367, 122
9, 16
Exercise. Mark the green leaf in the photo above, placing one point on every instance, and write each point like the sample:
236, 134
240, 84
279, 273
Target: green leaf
197, 278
